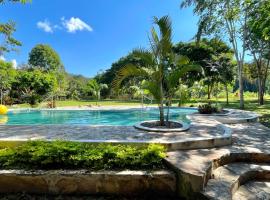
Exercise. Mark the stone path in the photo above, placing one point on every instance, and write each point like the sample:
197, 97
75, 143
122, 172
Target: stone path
202, 134
196, 167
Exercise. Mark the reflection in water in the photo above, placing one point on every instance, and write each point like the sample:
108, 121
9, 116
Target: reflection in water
3, 119
91, 117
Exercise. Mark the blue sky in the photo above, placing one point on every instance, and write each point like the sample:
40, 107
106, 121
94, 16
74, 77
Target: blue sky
90, 35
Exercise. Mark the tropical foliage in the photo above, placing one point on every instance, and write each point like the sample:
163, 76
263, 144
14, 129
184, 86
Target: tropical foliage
162, 68
95, 88
75, 155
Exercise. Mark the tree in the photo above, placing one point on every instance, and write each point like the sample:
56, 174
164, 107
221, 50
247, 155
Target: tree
7, 75
34, 85
162, 69
95, 88
47, 59
108, 76
227, 17
210, 55
15, 1
76, 86
259, 43
9, 43
44, 57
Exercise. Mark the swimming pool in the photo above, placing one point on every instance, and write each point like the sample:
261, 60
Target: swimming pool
121, 117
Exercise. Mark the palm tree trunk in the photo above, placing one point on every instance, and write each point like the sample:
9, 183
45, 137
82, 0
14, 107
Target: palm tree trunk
161, 107
168, 112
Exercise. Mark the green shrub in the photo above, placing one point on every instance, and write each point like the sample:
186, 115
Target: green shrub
75, 155
207, 109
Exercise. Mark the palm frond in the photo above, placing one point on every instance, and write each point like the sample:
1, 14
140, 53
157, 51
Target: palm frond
129, 70
165, 27
174, 77
153, 88
181, 60
145, 56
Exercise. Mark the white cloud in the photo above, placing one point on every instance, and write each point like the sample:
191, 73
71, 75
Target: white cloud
75, 24
2, 58
45, 26
14, 63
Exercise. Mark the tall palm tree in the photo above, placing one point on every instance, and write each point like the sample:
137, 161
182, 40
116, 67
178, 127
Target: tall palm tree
162, 69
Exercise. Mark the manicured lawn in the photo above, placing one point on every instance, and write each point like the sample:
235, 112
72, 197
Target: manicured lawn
100, 103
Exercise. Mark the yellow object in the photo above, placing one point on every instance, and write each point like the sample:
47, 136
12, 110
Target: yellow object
3, 110
3, 120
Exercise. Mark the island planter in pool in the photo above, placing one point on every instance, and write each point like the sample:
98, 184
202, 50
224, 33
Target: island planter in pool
154, 126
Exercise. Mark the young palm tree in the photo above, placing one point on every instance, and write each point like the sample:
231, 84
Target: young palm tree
162, 69
95, 88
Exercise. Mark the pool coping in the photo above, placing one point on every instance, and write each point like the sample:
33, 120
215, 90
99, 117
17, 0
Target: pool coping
183, 144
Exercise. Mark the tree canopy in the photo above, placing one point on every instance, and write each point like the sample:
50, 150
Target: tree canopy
45, 57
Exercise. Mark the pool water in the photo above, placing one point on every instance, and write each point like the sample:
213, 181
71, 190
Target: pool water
90, 117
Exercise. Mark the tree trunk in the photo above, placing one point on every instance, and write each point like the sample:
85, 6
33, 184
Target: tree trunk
161, 106
168, 111
208, 92
1, 94
260, 91
227, 94
241, 87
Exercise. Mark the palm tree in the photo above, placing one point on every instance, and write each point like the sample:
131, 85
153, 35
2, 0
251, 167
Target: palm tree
95, 88
162, 69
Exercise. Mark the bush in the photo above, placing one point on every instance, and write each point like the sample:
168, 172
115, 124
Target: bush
75, 155
207, 109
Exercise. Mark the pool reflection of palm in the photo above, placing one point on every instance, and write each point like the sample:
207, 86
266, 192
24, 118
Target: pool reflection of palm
3, 119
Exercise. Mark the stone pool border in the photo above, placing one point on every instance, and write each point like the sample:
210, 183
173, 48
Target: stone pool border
227, 118
184, 144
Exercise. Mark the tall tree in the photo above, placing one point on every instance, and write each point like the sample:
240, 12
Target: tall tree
210, 54
9, 43
259, 42
7, 77
227, 17
45, 57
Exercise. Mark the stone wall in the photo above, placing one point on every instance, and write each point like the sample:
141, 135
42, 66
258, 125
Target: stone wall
84, 182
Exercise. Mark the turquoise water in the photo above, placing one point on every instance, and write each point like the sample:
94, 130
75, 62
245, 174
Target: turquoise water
87, 117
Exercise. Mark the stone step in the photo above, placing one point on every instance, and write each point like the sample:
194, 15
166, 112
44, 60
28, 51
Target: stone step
253, 190
227, 179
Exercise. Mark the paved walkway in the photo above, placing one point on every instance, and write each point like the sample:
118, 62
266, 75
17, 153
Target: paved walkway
128, 133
